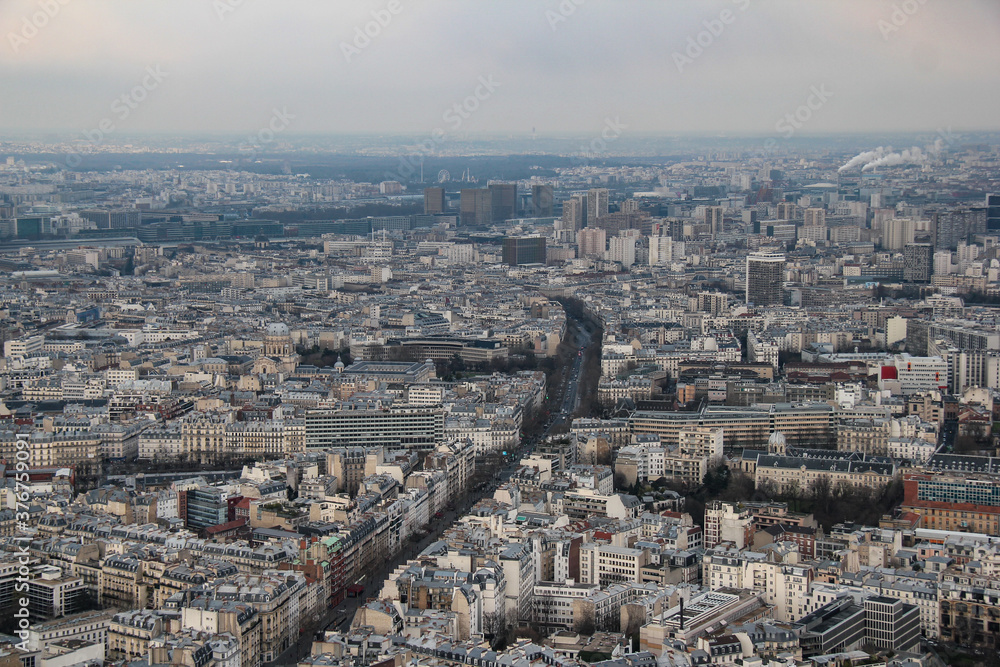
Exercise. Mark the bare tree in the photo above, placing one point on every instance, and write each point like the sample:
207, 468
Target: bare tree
497, 629
585, 623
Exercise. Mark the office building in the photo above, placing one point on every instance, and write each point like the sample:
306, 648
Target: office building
765, 275
408, 428
542, 200
434, 201
993, 214
523, 250
113, 219
206, 506
33, 228
918, 262
892, 625
475, 207
503, 201
597, 205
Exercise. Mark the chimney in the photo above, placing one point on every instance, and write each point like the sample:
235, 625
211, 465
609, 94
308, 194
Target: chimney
682, 614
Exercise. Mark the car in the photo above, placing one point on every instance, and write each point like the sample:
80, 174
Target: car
438, 515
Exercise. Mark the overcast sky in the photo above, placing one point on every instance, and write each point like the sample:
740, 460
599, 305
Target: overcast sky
228, 64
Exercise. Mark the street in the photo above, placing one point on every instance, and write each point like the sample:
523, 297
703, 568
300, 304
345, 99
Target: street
566, 395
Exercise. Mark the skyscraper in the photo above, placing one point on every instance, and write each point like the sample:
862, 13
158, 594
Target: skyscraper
476, 207
503, 200
957, 226
713, 218
542, 199
523, 250
765, 275
597, 205
572, 213
433, 200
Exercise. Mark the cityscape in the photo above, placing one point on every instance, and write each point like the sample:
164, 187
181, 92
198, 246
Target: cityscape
545, 332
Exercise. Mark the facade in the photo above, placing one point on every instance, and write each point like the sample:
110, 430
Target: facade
592, 242
765, 275
597, 205
542, 200
206, 506
409, 428
728, 522
434, 201
960, 502
503, 201
713, 219
476, 207
524, 250
918, 262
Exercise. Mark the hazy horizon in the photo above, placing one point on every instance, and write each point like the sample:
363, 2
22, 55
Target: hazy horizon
558, 67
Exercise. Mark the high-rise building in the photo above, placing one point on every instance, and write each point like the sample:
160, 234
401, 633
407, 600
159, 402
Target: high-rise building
542, 200
714, 303
503, 201
663, 249
591, 242
433, 200
676, 228
622, 249
815, 217
788, 210
897, 232
476, 207
993, 213
918, 262
572, 213
713, 218
597, 204
765, 278
954, 227
942, 262
523, 250
630, 206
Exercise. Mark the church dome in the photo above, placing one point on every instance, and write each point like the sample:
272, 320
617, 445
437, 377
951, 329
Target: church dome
277, 329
